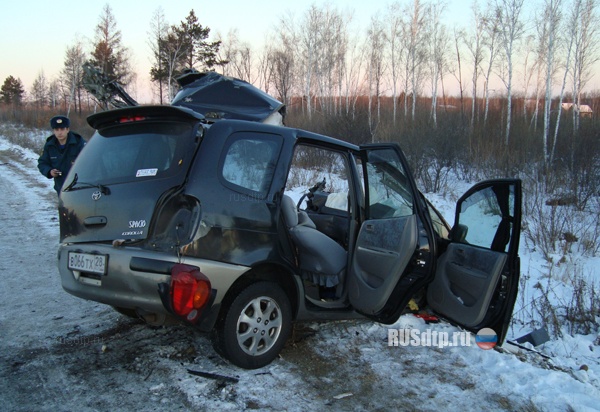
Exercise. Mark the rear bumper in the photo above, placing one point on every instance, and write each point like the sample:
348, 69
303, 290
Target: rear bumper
133, 276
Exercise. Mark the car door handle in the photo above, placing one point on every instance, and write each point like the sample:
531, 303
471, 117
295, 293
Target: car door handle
95, 221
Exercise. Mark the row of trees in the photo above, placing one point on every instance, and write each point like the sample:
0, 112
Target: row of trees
175, 48
410, 52
317, 63
108, 54
407, 53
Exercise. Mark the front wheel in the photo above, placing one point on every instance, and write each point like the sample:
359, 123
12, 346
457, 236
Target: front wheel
256, 326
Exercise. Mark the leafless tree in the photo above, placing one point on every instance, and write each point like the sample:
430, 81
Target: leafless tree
72, 75
308, 42
39, 91
508, 13
352, 74
475, 43
282, 60
570, 31
548, 32
283, 74
396, 45
585, 50
459, 35
54, 93
320, 44
416, 54
375, 71
264, 72
533, 67
491, 41
437, 41
238, 57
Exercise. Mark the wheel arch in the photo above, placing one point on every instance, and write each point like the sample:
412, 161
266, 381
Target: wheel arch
271, 272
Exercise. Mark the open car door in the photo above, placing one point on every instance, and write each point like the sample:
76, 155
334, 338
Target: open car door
477, 277
388, 237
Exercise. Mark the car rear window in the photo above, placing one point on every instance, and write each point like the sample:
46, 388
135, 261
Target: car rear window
137, 151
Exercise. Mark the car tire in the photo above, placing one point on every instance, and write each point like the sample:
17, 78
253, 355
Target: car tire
256, 326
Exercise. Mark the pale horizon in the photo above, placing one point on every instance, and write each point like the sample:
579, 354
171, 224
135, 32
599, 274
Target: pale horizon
37, 33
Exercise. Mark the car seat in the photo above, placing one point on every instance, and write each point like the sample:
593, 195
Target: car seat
322, 260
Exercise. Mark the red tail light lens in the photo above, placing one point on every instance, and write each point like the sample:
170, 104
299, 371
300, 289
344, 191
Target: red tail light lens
131, 119
190, 290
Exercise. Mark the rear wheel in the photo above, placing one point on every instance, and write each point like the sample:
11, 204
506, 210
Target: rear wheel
256, 326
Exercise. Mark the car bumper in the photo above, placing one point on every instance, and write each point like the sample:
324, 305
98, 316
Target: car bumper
133, 276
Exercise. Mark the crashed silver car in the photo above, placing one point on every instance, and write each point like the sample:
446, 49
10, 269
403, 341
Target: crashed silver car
200, 211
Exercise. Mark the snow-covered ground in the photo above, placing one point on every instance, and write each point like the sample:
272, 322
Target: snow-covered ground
58, 352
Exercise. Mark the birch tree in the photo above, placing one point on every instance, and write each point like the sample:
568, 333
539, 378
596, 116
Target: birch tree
173, 52
396, 45
548, 29
508, 13
585, 50
375, 72
475, 45
308, 42
459, 35
437, 40
415, 37
571, 33
491, 41
353, 74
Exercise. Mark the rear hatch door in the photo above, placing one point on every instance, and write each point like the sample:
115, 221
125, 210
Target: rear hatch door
134, 160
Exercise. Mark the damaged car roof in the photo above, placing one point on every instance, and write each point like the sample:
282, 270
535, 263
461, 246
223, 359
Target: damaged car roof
220, 97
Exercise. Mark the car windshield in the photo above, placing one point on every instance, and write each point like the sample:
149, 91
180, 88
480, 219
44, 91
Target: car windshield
135, 151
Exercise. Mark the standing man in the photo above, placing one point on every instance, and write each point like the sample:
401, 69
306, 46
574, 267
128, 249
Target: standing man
60, 151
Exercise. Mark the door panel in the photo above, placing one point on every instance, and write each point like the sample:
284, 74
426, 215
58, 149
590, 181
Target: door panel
464, 282
388, 237
384, 248
477, 277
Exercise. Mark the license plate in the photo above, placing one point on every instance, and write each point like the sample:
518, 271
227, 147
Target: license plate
86, 262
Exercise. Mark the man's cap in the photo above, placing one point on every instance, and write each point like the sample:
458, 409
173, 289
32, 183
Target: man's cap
59, 122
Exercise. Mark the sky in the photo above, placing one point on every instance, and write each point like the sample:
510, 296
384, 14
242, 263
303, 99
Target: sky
36, 33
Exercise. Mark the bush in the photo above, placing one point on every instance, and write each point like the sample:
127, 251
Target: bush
564, 301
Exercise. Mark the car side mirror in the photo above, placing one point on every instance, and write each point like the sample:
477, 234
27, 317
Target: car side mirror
459, 233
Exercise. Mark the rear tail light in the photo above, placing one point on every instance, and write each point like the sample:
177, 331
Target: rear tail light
190, 291
131, 119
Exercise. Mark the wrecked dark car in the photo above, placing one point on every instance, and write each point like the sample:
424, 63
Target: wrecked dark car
200, 211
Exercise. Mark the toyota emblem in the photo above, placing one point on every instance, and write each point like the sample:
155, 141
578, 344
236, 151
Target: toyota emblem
96, 195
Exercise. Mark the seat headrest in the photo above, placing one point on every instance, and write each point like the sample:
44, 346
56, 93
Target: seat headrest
290, 214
